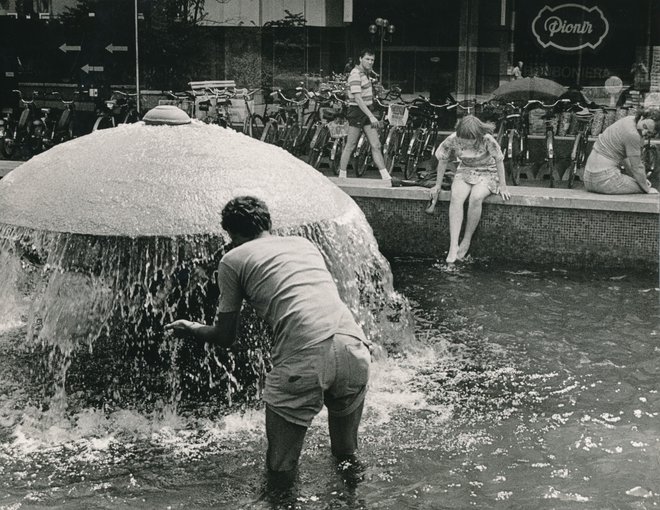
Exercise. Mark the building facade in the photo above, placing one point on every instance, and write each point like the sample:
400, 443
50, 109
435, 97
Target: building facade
466, 47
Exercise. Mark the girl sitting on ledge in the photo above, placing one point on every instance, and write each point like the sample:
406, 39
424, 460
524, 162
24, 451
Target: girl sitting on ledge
480, 173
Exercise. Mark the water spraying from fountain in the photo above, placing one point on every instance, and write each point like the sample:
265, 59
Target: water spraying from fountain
105, 239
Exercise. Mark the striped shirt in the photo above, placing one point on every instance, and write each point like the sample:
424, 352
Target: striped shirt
359, 83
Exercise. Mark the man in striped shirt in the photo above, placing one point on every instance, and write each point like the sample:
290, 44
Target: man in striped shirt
361, 115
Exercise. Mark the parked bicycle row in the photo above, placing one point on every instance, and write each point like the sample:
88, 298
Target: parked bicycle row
34, 127
313, 125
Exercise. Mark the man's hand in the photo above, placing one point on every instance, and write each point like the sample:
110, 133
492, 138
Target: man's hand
181, 328
374, 122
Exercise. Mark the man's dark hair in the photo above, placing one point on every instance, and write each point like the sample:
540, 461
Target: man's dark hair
367, 51
246, 216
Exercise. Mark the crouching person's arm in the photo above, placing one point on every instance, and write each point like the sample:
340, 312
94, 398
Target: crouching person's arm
222, 333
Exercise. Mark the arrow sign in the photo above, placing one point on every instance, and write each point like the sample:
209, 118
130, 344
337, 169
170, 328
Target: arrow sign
66, 48
87, 68
112, 48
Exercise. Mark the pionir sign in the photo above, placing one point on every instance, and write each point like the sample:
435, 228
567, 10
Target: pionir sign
570, 27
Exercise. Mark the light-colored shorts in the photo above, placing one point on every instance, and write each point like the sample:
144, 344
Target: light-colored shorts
472, 176
334, 372
602, 175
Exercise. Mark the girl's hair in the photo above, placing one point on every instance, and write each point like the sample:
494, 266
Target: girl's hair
471, 128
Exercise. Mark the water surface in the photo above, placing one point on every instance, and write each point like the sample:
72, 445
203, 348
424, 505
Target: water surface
528, 388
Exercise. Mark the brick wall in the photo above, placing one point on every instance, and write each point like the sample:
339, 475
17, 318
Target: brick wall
545, 235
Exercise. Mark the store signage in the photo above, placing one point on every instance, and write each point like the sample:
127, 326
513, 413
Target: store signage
570, 27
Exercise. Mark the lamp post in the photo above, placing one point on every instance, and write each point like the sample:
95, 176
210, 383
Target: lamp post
381, 28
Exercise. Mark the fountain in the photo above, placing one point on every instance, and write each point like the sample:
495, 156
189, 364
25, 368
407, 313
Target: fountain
108, 237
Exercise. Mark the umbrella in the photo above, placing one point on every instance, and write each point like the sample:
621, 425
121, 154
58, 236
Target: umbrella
528, 88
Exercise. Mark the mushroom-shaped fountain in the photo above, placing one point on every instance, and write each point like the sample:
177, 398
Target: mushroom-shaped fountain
105, 238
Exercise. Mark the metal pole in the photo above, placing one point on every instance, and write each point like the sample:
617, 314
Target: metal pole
382, 36
137, 61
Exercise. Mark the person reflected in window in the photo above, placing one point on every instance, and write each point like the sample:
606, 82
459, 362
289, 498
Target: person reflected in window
517, 70
620, 147
480, 173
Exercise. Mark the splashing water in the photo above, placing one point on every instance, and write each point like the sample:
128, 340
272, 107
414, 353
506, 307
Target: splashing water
136, 244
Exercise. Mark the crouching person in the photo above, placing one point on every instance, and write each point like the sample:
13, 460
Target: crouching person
320, 355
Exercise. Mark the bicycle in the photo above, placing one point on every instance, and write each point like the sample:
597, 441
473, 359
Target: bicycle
283, 129
362, 155
512, 138
425, 137
121, 108
63, 129
331, 129
7, 130
548, 119
30, 128
253, 125
579, 151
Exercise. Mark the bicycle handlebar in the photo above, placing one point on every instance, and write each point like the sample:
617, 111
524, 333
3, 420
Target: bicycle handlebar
303, 101
546, 106
125, 94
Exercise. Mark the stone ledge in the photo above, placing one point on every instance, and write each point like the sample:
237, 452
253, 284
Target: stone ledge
525, 196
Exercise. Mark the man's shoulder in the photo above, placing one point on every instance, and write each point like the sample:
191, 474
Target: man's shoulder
355, 74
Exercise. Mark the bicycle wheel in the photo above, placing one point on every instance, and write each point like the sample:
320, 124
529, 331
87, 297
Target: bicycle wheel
308, 131
255, 126
290, 138
413, 156
8, 147
550, 153
391, 148
131, 117
576, 156
269, 134
103, 122
514, 153
316, 152
360, 159
649, 159
336, 152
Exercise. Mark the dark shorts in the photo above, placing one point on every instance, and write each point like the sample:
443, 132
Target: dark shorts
334, 372
357, 117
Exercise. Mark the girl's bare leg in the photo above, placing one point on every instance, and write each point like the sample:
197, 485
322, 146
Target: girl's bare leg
460, 190
479, 192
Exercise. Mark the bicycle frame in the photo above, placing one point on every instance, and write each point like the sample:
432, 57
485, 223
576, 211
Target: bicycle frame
579, 150
512, 138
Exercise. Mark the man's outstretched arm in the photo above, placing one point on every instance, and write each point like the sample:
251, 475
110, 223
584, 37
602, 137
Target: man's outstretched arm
222, 333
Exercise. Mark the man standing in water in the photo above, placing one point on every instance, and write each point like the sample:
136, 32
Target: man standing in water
319, 354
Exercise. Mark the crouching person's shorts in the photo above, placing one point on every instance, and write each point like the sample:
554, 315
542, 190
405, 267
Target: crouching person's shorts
334, 372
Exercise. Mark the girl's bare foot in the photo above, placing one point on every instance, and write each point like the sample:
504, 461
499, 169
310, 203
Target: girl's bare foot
462, 250
451, 257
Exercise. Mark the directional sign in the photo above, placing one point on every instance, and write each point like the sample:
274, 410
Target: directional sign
65, 47
112, 48
87, 68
